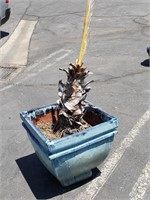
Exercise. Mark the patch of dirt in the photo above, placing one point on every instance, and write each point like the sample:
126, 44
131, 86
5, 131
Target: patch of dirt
46, 129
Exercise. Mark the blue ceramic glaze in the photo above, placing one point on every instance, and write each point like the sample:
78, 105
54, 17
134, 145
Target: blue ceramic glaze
71, 158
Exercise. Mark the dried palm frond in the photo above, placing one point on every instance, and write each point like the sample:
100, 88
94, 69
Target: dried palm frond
72, 95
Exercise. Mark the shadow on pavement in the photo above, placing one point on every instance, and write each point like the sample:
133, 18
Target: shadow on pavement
3, 34
41, 182
146, 63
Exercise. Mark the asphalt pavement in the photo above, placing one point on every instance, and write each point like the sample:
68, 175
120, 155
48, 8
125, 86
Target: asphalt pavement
43, 36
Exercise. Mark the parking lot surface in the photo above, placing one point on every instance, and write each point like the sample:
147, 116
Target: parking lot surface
43, 36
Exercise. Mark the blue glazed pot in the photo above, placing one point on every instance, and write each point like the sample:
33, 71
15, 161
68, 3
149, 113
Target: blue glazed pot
71, 158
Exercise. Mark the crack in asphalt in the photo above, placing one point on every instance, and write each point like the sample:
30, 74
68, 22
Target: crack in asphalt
26, 10
95, 81
78, 14
143, 23
82, 13
122, 76
35, 85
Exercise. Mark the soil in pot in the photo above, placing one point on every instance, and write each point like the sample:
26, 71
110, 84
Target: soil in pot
46, 129
45, 123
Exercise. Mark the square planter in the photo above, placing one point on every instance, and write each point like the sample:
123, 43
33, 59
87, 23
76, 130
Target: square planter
71, 158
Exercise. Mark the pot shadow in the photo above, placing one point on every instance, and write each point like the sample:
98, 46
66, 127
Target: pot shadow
41, 182
146, 63
3, 34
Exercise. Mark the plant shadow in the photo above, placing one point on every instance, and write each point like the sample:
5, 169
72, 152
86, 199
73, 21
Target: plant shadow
41, 182
146, 63
3, 34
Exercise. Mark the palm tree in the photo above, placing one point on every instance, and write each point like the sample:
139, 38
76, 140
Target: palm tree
72, 94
